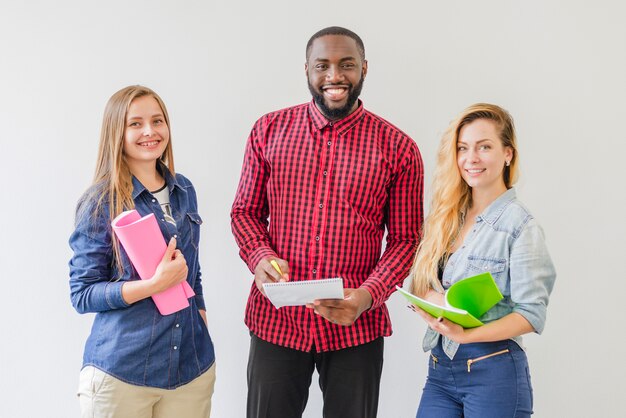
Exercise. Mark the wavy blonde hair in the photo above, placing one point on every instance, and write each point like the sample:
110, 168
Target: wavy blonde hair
112, 185
452, 197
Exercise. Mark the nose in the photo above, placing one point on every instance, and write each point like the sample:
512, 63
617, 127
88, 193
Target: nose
472, 156
334, 74
148, 130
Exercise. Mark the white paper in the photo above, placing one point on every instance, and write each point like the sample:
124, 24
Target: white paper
300, 293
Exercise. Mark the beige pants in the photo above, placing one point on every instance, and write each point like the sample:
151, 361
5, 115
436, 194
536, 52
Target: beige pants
103, 396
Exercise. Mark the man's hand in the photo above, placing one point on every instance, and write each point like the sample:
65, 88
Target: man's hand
266, 273
343, 311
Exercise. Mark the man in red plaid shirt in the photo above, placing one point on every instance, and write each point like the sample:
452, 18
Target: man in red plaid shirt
320, 184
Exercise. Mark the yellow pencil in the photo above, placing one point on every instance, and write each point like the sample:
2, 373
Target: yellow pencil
276, 266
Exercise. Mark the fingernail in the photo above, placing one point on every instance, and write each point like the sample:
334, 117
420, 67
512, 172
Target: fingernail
440, 319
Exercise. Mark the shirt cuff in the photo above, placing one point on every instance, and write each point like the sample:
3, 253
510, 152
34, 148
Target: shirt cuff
259, 254
200, 302
535, 314
113, 295
377, 290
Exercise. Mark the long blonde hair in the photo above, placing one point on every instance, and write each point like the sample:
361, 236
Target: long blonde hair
112, 185
452, 197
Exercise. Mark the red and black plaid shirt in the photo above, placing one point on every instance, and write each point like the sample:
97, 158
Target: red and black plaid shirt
327, 190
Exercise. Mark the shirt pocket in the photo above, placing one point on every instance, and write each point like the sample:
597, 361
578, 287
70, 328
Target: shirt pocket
194, 221
481, 264
363, 190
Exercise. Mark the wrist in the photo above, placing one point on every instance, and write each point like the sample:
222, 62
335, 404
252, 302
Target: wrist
468, 336
259, 255
136, 290
152, 286
365, 299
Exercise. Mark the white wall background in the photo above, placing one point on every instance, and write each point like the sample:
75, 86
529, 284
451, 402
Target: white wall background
558, 66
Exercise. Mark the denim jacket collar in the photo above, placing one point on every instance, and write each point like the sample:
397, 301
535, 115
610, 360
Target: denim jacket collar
497, 207
510, 245
170, 180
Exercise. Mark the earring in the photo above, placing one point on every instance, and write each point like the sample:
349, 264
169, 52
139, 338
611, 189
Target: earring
508, 163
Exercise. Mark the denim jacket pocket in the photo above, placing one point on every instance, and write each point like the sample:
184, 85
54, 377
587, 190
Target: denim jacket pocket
195, 221
478, 264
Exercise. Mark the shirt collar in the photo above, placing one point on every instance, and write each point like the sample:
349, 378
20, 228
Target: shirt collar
342, 125
170, 181
497, 207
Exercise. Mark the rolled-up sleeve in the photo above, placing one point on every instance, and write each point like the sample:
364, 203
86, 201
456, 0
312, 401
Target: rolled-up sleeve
91, 267
532, 275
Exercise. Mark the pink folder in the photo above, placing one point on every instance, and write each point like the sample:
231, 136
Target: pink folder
144, 243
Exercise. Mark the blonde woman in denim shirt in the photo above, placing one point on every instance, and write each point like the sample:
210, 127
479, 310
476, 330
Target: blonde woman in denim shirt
476, 224
137, 362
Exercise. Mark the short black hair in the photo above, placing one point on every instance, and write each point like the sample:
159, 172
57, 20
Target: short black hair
336, 30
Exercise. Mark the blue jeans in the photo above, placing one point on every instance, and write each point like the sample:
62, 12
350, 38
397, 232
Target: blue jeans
485, 380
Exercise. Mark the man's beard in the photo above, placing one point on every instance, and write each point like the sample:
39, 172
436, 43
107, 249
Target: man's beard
341, 112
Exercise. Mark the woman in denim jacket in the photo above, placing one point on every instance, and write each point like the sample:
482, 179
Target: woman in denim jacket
477, 224
137, 362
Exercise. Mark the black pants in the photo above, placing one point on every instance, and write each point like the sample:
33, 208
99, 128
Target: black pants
279, 380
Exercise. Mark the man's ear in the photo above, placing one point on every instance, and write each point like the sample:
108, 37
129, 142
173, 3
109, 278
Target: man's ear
364, 71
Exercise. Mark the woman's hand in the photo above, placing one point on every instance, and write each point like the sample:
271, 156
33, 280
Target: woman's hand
444, 327
172, 269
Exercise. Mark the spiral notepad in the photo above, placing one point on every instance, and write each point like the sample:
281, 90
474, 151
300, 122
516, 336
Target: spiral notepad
300, 293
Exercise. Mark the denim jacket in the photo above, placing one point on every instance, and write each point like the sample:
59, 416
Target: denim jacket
135, 343
508, 242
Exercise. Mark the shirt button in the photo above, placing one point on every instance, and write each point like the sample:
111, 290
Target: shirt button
317, 238
177, 325
153, 200
325, 172
163, 220
314, 271
329, 143
175, 236
175, 347
321, 206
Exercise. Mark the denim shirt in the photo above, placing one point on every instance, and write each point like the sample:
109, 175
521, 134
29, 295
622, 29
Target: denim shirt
507, 241
135, 343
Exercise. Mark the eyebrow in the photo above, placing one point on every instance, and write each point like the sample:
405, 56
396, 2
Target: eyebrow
341, 60
156, 115
478, 142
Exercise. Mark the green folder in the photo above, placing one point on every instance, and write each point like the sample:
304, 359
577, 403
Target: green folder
466, 300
